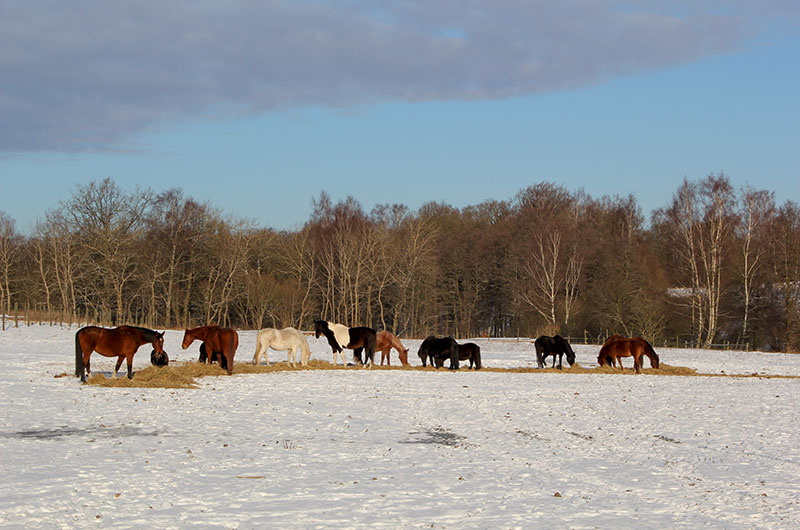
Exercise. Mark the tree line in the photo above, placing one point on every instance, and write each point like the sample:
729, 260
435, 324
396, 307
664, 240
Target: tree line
716, 264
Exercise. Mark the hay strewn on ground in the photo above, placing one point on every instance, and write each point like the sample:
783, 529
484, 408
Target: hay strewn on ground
185, 375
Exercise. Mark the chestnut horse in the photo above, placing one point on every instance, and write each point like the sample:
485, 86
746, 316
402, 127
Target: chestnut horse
384, 344
121, 342
221, 341
617, 346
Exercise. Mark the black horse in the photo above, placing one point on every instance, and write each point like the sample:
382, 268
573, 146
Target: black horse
466, 352
432, 349
159, 359
557, 345
216, 357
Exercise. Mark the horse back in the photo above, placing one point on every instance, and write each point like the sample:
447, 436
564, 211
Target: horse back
362, 336
383, 340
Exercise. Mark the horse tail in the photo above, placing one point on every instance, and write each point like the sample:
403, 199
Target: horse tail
257, 354
306, 355
232, 340
477, 357
79, 367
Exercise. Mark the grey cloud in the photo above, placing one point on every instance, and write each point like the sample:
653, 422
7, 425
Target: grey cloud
92, 74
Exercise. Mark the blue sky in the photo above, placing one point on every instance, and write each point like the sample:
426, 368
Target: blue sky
256, 107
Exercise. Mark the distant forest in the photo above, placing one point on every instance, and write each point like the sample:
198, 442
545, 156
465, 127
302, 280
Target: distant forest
714, 265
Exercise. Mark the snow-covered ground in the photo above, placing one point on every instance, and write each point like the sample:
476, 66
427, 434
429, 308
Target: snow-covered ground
398, 449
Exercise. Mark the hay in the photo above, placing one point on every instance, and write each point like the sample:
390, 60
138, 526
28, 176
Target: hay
185, 374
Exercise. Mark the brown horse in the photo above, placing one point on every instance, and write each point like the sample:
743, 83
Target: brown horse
121, 342
617, 346
385, 342
221, 341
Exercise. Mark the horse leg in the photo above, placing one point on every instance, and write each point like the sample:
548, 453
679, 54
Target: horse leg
86, 370
119, 363
290, 355
357, 355
560, 356
228, 357
129, 360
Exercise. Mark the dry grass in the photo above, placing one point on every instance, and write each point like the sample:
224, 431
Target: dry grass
185, 375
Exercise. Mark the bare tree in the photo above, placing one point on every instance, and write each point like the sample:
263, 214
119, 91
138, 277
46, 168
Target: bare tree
10, 251
757, 207
110, 222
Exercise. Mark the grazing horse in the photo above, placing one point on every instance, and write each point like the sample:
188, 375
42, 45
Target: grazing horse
556, 345
121, 342
216, 357
288, 339
617, 346
357, 339
159, 359
221, 341
466, 352
384, 344
433, 348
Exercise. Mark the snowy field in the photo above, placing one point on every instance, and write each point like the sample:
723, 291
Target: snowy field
398, 449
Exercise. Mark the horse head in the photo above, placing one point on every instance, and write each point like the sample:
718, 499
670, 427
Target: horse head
602, 357
654, 361
319, 328
188, 339
423, 350
158, 343
566, 348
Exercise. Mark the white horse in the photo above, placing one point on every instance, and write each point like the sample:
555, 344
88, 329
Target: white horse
282, 339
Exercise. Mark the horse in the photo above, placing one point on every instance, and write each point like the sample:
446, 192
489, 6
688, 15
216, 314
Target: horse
647, 350
288, 339
466, 352
357, 339
556, 345
617, 346
385, 342
444, 348
121, 342
221, 341
159, 359
216, 357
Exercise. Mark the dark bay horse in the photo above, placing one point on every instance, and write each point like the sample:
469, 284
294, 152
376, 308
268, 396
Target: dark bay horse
556, 345
358, 339
433, 348
384, 344
468, 351
121, 342
220, 341
617, 346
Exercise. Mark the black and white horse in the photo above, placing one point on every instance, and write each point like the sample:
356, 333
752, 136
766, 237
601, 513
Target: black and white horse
357, 339
437, 350
556, 345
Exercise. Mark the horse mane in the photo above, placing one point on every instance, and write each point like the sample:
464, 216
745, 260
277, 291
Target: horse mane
149, 334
